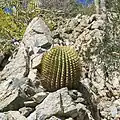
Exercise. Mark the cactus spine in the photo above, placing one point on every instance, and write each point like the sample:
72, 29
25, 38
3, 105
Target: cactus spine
60, 68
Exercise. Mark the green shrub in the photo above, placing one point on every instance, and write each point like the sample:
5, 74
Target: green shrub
12, 26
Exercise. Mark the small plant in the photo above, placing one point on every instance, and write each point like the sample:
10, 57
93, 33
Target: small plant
60, 67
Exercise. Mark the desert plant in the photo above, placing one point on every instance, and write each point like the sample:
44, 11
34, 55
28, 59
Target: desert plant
60, 67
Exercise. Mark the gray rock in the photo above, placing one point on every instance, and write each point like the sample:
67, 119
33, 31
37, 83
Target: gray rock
56, 103
18, 66
80, 100
35, 62
54, 118
31, 104
68, 30
1, 58
39, 97
32, 116
73, 23
37, 34
10, 101
113, 111
11, 94
97, 24
94, 17
33, 75
3, 116
15, 115
68, 105
28, 90
69, 119
73, 94
84, 114
14, 90
49, 107
117, 102
25, 111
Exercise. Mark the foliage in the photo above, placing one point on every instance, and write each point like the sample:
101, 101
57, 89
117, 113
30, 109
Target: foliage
10, 28
60, 68
13, 25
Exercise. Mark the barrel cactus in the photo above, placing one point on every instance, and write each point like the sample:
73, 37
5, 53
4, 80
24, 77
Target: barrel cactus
60, 68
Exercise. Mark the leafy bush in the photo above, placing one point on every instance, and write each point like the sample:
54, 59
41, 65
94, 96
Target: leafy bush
10, 26
13, 25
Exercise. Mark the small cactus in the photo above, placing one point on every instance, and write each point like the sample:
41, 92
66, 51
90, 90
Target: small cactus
60, 68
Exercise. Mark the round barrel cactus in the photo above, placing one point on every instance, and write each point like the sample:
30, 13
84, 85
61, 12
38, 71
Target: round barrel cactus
60, 67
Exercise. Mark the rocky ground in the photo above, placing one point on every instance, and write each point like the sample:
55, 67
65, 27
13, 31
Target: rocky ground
23, 98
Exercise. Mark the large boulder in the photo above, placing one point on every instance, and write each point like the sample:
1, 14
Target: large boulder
18, 67
37, 34
12, 94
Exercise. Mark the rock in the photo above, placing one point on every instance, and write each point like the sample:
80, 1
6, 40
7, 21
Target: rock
10, 101
18, 67
73, 23
14, 90
32, 116
78, 29
89, 101
68, 105
113, 111
15, 115
68, 30
39, 97
54, 118
84, 114
55, 34
1, 58
32, 74
11, 94
28, 90
25, 111
117, 102
83, 21
3, 116
97, 25
31, 104
49, 107
37, 34
35, 62
73, 94
94, 17
117, 117
69, 119
80, 100
56, 103
4, 60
